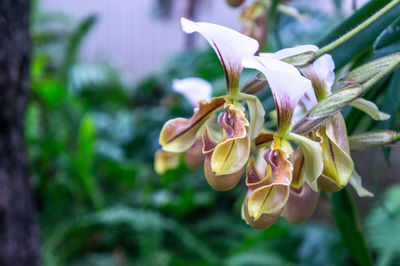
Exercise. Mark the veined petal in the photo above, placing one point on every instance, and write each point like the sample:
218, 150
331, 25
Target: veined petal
194, 89
355, 182
264, 221
287, 86
263, 139
232, 153
312, 152
231, 47
179, 134
268, 194
370, 108
257, 114
218, 182
338, 164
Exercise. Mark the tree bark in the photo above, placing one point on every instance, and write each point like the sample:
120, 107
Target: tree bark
19, 234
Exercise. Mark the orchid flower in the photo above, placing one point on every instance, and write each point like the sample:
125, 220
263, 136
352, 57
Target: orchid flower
338, 165
228, 156
194, 90
268, 191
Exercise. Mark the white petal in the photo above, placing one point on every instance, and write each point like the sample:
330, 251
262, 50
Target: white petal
194, 89
285, 81
288, 52
231, 46
322, 69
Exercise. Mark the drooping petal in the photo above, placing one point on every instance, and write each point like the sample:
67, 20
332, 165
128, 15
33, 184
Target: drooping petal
179, 134
287, 86
301, 204
338, 164
313, 163
257, 114
218, 182
370, 108
165, 161
194, 89
298, 169
231, 47
355, 182
231, 154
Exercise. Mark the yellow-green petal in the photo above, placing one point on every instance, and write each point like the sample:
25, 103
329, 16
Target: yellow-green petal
370, 108
179, 134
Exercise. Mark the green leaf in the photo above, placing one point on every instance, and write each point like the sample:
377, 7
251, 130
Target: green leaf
365, 39
344, 212
383, 227
390, 105
390, 35
74, 43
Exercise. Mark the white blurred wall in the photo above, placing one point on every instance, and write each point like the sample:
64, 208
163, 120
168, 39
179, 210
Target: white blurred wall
128, 34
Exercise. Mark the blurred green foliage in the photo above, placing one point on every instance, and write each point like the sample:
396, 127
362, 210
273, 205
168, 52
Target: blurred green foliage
91, 137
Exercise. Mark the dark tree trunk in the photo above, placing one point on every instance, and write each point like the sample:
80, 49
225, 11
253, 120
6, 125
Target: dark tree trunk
19, 236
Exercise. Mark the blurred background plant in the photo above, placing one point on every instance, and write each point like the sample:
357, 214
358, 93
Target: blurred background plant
91, 138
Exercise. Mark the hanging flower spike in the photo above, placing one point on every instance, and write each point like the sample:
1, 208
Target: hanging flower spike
287, 87
194, 89
230, 46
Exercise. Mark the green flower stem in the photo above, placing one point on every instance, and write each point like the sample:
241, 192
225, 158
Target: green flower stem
367, 85
333, 45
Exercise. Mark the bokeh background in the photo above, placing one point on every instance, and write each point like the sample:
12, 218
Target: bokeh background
101, 90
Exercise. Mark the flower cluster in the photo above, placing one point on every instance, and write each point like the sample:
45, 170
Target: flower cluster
305, 154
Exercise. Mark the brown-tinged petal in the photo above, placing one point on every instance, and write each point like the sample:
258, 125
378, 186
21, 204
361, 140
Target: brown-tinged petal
298, 169
269, 194
194, 156
179, 134
313, 163
264, 139
232, 153
263, 222
165, 160
218, 182
338, 164
301, 204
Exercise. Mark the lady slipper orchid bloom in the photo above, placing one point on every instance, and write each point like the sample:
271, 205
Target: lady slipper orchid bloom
269, 192
338, 165
229, 155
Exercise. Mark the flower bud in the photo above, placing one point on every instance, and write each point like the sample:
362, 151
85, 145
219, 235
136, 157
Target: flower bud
367, 71
328, 107
300, 60
301, 204
373, 139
